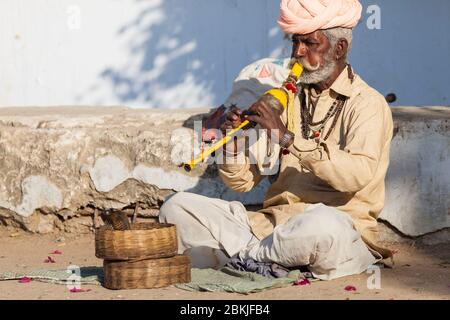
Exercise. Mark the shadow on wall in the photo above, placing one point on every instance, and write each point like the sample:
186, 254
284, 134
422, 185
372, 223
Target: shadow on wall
187, 53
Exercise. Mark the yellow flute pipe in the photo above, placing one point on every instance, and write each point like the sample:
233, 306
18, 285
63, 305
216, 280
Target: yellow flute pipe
296, 71
190, 165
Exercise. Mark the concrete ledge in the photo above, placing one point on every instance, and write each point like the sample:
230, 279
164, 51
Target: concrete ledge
58, 164
418, 180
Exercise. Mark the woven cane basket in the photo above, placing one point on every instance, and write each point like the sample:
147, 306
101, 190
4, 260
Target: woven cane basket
146, 274
143, 241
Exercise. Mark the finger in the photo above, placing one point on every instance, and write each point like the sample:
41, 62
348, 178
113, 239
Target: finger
259, 110
264, 107
233, 124
255, 118
226, 125
231, 116
229, 124
253, 108
236, 110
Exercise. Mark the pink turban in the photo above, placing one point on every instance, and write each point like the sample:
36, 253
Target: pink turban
306, 16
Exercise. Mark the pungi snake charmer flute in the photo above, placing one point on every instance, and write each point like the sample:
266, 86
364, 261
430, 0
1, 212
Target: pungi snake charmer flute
275, 98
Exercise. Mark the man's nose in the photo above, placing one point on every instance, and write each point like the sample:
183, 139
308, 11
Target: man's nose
300, 50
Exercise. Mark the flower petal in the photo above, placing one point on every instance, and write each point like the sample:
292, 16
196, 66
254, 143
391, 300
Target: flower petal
350, 288
301, 282
76, 290
25, 280
56, 252
49, 260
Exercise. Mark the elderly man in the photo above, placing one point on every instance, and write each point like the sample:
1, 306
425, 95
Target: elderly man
321, 210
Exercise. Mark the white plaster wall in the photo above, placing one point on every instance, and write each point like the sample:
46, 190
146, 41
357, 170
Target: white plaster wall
153, 53
418, 179
186, 53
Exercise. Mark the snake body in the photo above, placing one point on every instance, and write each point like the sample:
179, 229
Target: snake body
116, 219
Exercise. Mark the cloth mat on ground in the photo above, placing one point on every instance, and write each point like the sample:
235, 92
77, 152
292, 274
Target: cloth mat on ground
87, 275
231, 280
225, 279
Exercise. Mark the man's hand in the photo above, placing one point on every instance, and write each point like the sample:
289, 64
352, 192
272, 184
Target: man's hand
268, 118
232, 119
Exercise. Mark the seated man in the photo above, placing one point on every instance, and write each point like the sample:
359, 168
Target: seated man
321, 210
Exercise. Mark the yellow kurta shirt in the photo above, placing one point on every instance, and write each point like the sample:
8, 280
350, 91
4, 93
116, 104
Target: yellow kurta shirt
347, 171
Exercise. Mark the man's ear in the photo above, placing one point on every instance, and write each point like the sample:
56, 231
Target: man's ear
341, 49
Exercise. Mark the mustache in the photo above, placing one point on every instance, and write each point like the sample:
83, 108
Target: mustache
316, 73
306, 65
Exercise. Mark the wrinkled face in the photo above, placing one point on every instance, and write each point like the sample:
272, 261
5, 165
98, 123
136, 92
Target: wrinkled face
315, 53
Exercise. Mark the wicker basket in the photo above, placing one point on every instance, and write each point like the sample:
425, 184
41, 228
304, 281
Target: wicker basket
143, 241
146, 274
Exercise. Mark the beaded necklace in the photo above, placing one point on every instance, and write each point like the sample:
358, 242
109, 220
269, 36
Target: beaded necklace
314, 130
311, 129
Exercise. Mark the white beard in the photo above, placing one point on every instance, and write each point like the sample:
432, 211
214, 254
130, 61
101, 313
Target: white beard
316, 74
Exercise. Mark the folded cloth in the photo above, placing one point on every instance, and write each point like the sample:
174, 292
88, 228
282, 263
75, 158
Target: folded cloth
267, 269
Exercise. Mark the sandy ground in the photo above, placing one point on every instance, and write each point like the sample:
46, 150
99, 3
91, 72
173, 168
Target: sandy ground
420, 273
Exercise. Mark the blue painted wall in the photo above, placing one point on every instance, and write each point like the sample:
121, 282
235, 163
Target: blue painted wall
410, 54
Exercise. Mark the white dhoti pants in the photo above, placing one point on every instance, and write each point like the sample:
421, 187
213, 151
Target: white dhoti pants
211, 231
